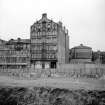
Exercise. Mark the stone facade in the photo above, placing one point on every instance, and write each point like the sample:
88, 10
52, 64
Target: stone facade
47, 48
47, 52
85, 54
49, 43
81, 54
14, 55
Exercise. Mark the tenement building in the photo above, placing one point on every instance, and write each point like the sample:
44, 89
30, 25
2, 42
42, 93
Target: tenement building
47, 49
49, 45
14, 55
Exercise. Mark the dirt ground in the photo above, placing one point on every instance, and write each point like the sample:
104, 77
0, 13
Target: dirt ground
67, 83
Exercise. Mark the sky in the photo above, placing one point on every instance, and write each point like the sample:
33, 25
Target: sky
85, 19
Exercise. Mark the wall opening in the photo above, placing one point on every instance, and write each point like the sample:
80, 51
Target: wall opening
53, 65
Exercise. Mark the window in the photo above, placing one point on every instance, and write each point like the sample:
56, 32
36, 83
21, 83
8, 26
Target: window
44, 26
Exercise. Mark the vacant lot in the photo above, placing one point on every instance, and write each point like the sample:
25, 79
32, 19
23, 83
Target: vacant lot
50, 96
51, 91
66, 83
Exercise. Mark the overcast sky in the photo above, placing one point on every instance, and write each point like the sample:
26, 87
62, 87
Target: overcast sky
85, 19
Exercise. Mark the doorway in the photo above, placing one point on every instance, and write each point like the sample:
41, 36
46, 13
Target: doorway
53, 65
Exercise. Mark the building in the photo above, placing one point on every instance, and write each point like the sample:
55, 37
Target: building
98, 57
49, 43
81, 54
47, 47
47, 51
14, 55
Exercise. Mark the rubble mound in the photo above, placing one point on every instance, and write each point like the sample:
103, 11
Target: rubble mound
50, 96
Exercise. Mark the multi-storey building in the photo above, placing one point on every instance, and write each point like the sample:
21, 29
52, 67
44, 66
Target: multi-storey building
48, 48
14, 54
85, 54
49, 43
81, 54
98, 57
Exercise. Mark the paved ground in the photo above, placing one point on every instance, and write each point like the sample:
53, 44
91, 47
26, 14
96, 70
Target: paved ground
54, 82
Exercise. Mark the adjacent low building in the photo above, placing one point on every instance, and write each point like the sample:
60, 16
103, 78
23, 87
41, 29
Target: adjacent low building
14, 55
81, 54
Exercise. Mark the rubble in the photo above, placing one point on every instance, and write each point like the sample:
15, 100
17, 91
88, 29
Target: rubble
50, 96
